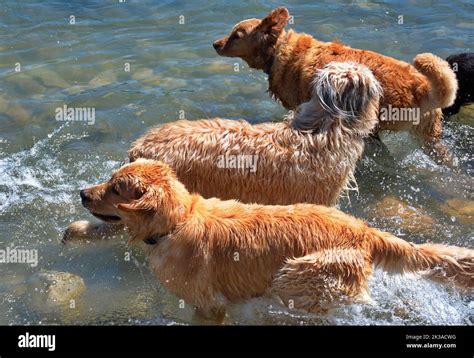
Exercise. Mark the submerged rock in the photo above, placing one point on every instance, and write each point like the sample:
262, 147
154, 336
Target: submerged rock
73, 90
171, 83
105, 78
154, 80
219, 67
466, 115
13, 110
406, 217
142, 74
56, 288
461, 209
49, 78
25, 83
55, 296
326, 29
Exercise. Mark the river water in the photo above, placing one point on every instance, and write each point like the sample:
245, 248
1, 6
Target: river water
75, 53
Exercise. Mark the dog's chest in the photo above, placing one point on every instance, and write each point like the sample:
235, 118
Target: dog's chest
178, 269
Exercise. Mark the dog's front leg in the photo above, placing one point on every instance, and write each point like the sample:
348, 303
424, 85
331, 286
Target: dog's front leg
430, 131
84, 229
215, 314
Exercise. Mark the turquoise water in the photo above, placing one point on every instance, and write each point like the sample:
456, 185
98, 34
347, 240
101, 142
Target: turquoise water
174, 70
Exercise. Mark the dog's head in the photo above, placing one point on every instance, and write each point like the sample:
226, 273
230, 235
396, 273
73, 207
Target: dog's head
253, 40
144, 195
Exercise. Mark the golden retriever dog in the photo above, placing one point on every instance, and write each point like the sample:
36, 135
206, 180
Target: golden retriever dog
415, 93
310, 158
211, 252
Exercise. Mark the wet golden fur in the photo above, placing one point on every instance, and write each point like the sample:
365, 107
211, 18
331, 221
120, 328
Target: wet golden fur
310, 158
210, 252
292, 58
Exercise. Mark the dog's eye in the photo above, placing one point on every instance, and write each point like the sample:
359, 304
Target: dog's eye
115, 191
235, 36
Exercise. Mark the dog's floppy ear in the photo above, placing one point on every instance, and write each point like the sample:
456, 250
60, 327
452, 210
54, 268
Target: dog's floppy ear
275, 21
131, 207
148, 201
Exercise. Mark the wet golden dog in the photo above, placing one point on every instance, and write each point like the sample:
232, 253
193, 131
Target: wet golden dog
310, 158
291, 60
210, 252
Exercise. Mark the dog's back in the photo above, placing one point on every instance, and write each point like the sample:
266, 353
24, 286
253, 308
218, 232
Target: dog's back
310, 158
317, 257
299, 56
430, 84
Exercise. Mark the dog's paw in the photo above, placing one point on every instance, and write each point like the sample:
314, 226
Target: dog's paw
216, 315
443, 155
77, 230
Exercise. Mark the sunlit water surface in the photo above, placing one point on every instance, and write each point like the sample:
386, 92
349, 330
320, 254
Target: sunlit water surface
173, 68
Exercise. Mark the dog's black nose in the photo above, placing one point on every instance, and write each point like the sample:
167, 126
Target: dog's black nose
84, 196
215, 45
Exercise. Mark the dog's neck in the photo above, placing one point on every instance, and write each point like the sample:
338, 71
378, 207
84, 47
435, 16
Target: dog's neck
268, 65
155, 238
265, 58
269, 56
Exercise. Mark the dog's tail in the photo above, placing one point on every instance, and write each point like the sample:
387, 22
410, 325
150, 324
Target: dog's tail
435, 261
345, 95
444, 84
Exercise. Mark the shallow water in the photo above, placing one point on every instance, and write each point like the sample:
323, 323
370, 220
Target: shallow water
173, 68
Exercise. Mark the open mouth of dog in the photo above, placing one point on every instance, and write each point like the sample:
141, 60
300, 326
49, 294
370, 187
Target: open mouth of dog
107, 218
